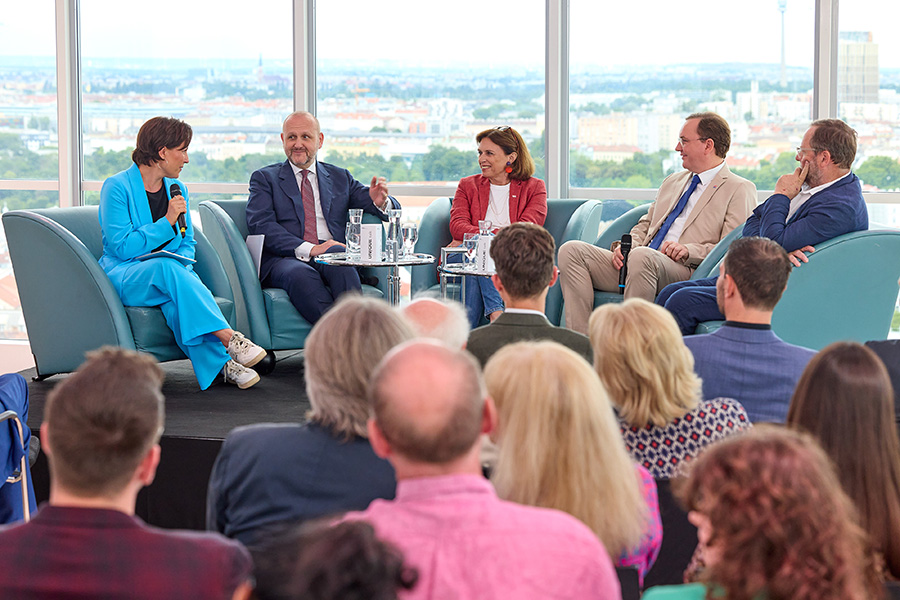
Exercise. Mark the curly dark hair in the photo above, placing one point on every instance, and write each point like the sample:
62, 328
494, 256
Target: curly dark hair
781, 524
319, 561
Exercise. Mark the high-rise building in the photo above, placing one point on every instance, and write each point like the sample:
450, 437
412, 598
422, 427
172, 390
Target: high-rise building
857, 67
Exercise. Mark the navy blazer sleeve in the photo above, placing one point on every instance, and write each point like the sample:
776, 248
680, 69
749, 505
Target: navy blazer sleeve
271, 212
834, 211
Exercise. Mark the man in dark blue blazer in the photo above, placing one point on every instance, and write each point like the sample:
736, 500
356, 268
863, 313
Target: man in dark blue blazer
744, 359
819, 201
281, 196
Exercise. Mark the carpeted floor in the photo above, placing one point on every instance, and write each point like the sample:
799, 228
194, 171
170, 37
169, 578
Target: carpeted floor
192, 413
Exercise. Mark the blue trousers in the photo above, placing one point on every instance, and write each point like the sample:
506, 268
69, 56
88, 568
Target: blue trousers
305, 283
691, 302
482, 298
190, 310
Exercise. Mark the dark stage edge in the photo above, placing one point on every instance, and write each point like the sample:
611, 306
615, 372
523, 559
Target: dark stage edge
197, 422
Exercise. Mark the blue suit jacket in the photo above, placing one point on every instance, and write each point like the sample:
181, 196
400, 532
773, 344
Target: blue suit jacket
270, 473
275, 208
753, 366
836, 210
14, 396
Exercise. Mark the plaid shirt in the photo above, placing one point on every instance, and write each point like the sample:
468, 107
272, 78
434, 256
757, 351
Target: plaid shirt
69, 552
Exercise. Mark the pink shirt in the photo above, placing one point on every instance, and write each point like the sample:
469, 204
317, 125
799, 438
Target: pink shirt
467, 544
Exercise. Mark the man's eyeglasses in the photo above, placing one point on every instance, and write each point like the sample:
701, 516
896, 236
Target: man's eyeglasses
685, 142
801, 150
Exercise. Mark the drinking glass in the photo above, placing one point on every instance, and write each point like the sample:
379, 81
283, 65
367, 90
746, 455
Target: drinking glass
352, 237
410, 233
356, 216
470, 243
484, 227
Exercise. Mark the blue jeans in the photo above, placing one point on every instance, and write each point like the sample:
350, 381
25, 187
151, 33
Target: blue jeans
691, 302
482, 298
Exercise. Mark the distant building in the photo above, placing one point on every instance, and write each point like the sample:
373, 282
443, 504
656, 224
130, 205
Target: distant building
857, 67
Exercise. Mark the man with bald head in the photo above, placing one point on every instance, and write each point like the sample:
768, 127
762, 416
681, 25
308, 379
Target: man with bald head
442, 320
301, 207
429, 409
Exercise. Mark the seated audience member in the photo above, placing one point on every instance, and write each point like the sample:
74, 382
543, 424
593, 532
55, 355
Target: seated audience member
14, 396
560, 448
846, 401
319, 561
523, 257
429, 408
269, 472
744, 359
693, 210
819, 201
442, 320
505, 192
648, 373
101, 435
773, 523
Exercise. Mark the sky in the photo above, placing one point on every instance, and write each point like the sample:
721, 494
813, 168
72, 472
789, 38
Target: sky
434, 33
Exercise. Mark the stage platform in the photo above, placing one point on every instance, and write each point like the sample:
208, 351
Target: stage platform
196, 424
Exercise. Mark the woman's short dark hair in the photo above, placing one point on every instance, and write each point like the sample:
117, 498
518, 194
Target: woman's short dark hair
159, 133
321, 561
510, 141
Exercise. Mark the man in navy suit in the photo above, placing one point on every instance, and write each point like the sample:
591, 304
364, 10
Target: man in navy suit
301, 207
819, 201
744, 359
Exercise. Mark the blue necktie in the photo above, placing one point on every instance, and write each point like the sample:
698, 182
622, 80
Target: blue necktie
667, 224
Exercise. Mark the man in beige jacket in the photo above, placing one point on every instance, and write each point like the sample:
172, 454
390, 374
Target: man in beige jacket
693, 210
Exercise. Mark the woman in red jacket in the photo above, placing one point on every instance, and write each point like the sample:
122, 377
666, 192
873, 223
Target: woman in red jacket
504, 193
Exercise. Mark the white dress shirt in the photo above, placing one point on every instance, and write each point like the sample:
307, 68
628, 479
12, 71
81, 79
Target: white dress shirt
674, 233
805, 194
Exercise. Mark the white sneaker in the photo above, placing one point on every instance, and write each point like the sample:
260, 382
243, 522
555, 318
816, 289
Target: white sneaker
240, 375
244, 351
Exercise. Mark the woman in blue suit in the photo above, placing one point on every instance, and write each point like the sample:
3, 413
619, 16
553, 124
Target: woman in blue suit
138, 215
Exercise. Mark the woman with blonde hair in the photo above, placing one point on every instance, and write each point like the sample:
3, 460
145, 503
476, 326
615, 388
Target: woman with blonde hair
773, 524
648, 372
559, 448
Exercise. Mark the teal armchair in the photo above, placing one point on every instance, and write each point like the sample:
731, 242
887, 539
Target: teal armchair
847, 291
567, 219
70, 305
265, 315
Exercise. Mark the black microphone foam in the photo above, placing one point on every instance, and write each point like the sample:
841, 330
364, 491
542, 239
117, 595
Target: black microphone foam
174, 190
625, 247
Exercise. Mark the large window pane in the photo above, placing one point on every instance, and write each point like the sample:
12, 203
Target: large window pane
401, 92
28, 123
869, 94
28, 142
224, 67
631, 86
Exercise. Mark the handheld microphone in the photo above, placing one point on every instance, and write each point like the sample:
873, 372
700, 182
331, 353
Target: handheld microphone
623, 272
174, 190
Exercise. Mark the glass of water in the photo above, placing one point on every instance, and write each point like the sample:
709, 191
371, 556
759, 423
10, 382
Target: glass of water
410, 232
352, 237
470, 243
484, 227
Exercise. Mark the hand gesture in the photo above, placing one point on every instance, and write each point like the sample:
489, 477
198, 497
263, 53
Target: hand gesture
789, 184
378, 192
798, 256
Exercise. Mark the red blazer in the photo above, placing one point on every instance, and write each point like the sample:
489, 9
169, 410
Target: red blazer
527, 202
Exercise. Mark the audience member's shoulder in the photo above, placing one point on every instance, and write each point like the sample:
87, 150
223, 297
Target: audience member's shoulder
724, 406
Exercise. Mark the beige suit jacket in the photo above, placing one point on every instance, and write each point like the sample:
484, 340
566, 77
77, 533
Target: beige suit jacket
725, 204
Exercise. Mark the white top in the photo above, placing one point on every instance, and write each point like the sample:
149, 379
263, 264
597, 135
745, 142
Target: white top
302, 251
805, 194
498, 206
674, 233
